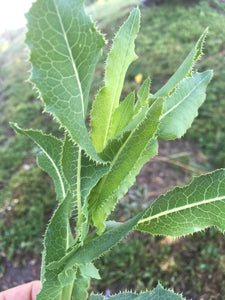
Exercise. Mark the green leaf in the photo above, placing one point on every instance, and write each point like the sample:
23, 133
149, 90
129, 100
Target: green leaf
56, 242
82, 174
121, 56
65, 48
98, 245
181, 107
96, 297
143, 92
89, 270
137, 149
122, 115
80, 287
188, 209
50, 158
159, 293
140, 106
136, 120
82, 282
184, 70
113, 146
125, 116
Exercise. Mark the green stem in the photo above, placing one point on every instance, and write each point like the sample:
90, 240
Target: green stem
67, 292
79, 204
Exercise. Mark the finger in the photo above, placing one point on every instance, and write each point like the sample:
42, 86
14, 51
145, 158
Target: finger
35, 289
22, 292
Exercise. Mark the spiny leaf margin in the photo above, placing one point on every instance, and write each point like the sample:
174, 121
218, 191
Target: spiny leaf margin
188, 209
159, 293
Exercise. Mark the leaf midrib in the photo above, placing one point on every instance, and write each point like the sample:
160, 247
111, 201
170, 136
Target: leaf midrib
57, 172
178, 209
70, 56
180, 102
115, 160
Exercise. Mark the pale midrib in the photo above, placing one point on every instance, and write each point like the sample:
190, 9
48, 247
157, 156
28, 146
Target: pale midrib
115, 91
57, 172
102, 182
115, 160
180, 102
71, 58
178, 209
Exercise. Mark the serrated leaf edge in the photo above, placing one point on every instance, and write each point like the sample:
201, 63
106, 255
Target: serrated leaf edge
148, 219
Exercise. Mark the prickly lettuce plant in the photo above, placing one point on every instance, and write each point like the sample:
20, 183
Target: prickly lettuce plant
92, 169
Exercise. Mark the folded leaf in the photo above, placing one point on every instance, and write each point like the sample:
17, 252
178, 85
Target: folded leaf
188, 209
50, 158
65, 48
137, 149
159, 293
82, 174
184, 70
121, 56
181, 107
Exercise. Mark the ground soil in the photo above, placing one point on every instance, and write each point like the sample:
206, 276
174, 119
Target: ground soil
159, 175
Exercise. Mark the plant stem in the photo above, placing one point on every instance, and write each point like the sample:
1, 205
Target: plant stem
79, 204
67, 292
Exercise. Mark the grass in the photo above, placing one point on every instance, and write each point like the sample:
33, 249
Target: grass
25, 213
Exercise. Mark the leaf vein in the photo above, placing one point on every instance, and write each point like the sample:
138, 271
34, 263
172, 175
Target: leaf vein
70, 56
179, 209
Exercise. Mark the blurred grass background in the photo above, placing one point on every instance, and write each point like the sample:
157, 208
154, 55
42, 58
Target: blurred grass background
169, 29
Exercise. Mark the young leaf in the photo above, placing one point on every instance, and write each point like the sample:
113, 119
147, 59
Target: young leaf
121, 56
65, 48
188, 209
143, 92
184, 70
56, 242
159, 293
122, 115
82, 174
50, 158
82, 282
181, 107
80, 287
140, 106
113, 146
136, 120
125, 117
138, 148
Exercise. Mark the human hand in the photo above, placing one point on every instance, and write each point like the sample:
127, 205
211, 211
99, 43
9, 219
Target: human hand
26, 291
